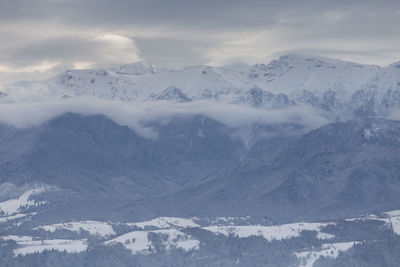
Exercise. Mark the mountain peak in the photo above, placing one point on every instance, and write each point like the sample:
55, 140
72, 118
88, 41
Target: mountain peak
317, 61
395, 65
139, 68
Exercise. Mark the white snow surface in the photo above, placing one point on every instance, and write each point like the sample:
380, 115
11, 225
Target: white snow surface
394, 220
392, 213
166, 222
13, 206
17, 238
391, 218
138, 241
276, 232
229, 220
368, 217
308, 258
29, 245
102, 229
12, 217
169, 227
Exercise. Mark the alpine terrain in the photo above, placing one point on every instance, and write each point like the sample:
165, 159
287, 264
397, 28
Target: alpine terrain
295, 162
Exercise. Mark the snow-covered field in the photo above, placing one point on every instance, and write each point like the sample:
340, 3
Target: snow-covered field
166, 222
139, 242
13, 206
12, 217
169, 232
391, 218
393, 213
308, 258
29, 245
276, 232
102, 229
394, 220
367, 217
230, 220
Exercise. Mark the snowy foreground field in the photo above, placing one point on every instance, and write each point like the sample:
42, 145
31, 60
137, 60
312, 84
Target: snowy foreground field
171, 233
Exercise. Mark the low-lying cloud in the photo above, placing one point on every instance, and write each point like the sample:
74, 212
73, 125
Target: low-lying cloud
137, 115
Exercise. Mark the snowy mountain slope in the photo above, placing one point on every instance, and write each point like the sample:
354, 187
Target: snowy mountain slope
292, 74
14, 206
29, 245
279, 232
327, 84
140, 241
327, 250
95, 228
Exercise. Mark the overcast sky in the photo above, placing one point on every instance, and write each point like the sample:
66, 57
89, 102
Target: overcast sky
39, 38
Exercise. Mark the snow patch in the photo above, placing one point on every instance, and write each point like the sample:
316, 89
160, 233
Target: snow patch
276, 232
166, 222
13, 217
391, 218
368, 217
308, 258
139, 242
102, 229
13, 206
29, 245
392, 213
368, 133
395, 221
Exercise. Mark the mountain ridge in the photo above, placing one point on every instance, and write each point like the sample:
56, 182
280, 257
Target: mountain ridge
332, 85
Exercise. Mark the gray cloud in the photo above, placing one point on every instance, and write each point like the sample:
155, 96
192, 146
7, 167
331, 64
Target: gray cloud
173, 52
64, 33
68, 49
220, 14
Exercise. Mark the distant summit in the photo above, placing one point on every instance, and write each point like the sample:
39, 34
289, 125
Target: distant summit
139, 68
327, 84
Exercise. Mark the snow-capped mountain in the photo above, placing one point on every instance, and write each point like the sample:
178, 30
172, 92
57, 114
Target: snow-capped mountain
244, 163
327, 84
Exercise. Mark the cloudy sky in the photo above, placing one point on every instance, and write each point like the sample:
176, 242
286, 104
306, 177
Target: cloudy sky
39, 38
